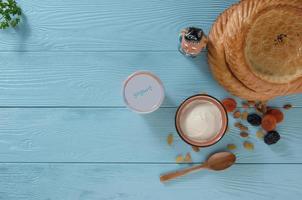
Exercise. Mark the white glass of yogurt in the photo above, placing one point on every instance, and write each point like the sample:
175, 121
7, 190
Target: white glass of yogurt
201, 120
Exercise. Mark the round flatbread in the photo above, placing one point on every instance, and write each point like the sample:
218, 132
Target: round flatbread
263, 45
218, 65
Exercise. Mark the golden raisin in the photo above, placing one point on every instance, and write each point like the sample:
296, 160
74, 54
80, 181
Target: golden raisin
244, 134
188, 158
244, 115
248, 145
260, 134
170, 139
236, 114
237, 124
179, 158
241, 126
231, 146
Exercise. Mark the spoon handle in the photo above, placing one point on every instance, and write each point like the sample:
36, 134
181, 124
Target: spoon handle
182, 172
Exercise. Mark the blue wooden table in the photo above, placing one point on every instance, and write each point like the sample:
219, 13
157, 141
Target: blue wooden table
65, 132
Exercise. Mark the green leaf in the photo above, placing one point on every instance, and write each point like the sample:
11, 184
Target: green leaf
10, 14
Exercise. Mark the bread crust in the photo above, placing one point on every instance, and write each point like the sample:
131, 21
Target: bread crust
219, 66
235, 35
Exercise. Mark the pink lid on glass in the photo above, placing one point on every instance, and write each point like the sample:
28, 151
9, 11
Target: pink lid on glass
143, 92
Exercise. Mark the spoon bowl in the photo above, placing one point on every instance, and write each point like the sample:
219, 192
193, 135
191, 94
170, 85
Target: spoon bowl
221, 161
216, 162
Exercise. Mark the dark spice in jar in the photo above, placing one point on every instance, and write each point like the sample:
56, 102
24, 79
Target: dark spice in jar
192, 41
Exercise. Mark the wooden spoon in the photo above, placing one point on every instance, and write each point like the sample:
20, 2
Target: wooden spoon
218, 161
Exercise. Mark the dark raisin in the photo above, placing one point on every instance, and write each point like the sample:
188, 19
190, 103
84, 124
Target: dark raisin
271, 137
254, 119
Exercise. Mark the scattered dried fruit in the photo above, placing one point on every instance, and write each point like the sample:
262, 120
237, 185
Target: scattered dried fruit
179, 159
244, 115
287, 106
241, 126
254, 119
260, 134
170, 139
236, 114
231, 147
188, 158
229, 104
247, 145
195, 148
271, 137
277, 114
269, 122
244, 134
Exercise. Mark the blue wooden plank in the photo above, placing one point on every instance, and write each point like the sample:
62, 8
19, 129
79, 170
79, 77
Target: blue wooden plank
118, 135
107, 25
95, 79
136, 182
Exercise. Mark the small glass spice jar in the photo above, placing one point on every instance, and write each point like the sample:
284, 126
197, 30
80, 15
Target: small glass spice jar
192, 41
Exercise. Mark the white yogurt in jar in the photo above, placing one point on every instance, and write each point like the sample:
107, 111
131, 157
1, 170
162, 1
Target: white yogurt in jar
201, 120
